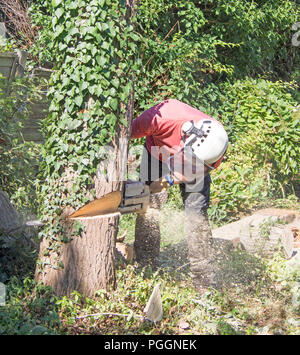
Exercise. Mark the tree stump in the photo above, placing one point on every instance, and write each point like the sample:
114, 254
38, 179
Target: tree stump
88, 260
265, 237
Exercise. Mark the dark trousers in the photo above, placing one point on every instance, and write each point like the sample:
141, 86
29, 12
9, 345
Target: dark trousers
197, 228
194, 202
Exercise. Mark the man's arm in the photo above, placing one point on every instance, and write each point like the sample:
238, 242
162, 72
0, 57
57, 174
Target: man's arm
163, 183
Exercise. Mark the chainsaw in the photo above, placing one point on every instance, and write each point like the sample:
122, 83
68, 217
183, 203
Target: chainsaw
135, 198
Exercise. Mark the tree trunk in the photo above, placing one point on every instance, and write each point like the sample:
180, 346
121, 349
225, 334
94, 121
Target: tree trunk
87, 262
89, 259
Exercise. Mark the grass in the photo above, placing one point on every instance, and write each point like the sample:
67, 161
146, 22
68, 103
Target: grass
266, 305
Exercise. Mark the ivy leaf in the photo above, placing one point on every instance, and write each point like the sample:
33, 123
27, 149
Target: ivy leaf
114, 103
76, 76
59, 12
75, 124
98, 90
78, 100
83, 85
92, 89
58, 30
116, 82
56, 3
101, 60
64, 147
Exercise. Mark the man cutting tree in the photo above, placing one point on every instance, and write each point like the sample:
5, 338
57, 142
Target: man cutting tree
182, 146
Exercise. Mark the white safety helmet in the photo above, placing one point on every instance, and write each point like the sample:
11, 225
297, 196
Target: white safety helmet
205, 143
207, 139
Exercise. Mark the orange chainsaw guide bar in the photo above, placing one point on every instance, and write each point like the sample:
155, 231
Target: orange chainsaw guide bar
105, 205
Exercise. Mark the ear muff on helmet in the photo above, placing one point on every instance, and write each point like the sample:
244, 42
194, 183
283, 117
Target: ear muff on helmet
207, 139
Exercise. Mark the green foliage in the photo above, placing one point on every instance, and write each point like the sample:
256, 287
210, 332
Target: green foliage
178, 54
29, 309
262, 160
6, 45
40, 16
94, 46
188, 46
268, 108
263, 31
260, 304
18, 159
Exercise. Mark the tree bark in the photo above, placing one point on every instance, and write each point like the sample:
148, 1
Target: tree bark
89, 259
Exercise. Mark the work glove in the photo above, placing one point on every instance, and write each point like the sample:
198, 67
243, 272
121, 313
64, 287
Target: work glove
159, 186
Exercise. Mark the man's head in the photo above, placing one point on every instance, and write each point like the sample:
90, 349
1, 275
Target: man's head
204, 145
207, 141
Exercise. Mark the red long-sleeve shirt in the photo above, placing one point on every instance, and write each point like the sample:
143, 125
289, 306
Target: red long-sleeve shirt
161, 125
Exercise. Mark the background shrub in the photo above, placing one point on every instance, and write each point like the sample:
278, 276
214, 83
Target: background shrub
19, 159
262, 161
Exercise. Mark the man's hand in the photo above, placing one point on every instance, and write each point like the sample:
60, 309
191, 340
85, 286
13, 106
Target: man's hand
159, 185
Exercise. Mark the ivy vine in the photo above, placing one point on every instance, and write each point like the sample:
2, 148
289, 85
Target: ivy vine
95, 50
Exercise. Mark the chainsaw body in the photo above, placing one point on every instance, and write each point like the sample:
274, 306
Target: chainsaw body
136, 197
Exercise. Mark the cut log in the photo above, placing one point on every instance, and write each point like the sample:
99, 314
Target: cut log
265, 239
263, 233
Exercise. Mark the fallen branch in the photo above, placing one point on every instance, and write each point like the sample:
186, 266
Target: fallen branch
182, 266
112, 314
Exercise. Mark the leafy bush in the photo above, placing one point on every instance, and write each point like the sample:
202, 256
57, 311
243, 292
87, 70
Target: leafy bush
263, 32
29, 309
240, 185
18, 159
269, 108
187, 45
263, 157
179, 55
